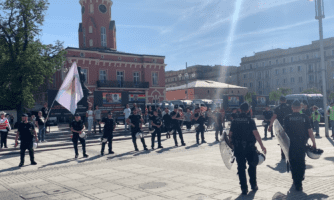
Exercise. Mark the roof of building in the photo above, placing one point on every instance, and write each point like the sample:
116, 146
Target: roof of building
205, 84
111, 51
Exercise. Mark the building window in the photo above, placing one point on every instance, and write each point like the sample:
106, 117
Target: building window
277, 71
332, 63
299, 58
311, 78
120, 78
103, 37
259, 75
250, 66
135, 59
299, 68
284, 71
276, 61
90, 29
102, 56
292, 80
250, 85
267, 74
250, 75
291, 69
155, 78
136, 78
291, 59
269, 63
82, 55
263, 64
84, 72
245, 84
103, 76
300, 79
283, 60
208, 91
316, 55
310, 68
307, 56
245, 76
119, 58
91, 42
84, 37
277, 81
284, 81
154, 60
300, 89
91, 8
332, 52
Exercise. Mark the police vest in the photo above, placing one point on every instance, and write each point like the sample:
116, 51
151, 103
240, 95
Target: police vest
331, 115
301, 111
316, 117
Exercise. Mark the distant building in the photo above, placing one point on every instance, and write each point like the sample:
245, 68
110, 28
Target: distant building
203, 89
296, 68
224, 74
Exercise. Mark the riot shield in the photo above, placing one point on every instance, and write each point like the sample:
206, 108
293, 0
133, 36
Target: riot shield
283, 138
226, 151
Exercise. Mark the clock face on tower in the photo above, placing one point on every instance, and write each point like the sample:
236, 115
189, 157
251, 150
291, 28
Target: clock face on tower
83, 9
103, 8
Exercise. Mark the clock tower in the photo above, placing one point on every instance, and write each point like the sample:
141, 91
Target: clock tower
97, 30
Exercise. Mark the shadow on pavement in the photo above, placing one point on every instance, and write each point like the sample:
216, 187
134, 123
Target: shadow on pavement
330, 140
249, 196
192, 146
142, 152
165, 149
330, 159
213, 143
10, 169
89, 159
121, 155
293, 194
280, 167
57, 163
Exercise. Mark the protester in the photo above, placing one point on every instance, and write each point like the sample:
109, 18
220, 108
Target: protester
108, 130
127, 113
77, 127
156, 124
267, 114
136, 122
26, 132
218, 118
244, 134
187, 119
45, 111
90, 118
40, 124
97, 118
167, 120
199, 119
316, 120
4, 129
176, 125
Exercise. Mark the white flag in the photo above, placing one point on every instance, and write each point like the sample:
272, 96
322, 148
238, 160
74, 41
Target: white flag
70, 92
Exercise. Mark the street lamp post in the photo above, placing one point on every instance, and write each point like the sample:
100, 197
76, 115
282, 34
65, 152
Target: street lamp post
186, 77
319, 15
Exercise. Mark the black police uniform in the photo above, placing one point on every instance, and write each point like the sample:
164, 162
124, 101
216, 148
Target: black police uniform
308, 113
234, 116
135, 120
176, 127
167, 120
157, 131
282, 111
26, 131
200, 128
78, 126
244, 141
296, 126
108, 133
218, 124
267, 117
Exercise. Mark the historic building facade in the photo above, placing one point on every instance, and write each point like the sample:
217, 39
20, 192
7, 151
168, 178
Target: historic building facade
224, 74
295, 68
107, 69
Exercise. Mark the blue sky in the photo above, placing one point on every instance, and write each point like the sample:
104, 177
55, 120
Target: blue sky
197, 31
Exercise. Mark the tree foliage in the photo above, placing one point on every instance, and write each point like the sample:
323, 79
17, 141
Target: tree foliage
275, 95
248, 96
25, 62
311, 91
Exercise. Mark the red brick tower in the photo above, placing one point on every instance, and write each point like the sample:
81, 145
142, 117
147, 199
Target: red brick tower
97, 30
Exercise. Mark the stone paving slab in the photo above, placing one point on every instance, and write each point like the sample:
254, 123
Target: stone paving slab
191, 172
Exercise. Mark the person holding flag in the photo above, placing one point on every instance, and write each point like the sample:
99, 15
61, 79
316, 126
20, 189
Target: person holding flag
77, 127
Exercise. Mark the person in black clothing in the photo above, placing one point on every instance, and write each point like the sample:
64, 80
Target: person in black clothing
268, 114
156, 124
77, 127
244, 135
305, 110
26, 131
218, 116
199, 119
45, 111
297, 126
176, 125
167, 120
280, 112
159, 111
234, 114
136, 122
109, 127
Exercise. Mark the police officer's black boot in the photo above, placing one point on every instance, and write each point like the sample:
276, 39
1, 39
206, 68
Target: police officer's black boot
102, 148
144, 145
197, 138
84, 151
32, 158
110, 147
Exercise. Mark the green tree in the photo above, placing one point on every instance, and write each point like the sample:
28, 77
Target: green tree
248, 96
285, 91
331, 97
25, 62
275, 95
311, 91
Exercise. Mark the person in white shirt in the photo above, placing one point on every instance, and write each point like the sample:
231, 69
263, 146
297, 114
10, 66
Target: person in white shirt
97, 118
90, 118
127, 113
4, 129
164, 112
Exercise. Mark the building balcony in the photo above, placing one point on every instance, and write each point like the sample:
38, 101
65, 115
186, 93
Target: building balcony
122, 84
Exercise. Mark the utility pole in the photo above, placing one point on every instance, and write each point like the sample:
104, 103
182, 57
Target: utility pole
187, 77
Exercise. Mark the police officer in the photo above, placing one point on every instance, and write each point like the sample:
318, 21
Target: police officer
199, 119
136, 122
26, 131
244, 135
267, 114
234, 114
156, 124
167, 120
280, 112
176, 117
77, 127
109, 127
297, 127
218, 116
331, 117
316, 120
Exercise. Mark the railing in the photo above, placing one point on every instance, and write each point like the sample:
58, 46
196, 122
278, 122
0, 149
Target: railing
122, 84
